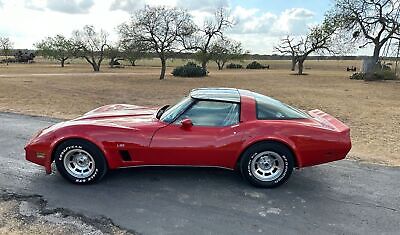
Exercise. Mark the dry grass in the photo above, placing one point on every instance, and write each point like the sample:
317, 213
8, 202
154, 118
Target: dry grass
371, 109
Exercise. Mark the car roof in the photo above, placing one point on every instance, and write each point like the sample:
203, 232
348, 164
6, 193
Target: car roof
218, 94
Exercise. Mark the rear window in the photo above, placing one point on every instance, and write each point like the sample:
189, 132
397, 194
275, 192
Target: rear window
271, 109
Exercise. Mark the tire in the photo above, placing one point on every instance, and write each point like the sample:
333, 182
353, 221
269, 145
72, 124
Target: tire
267, 165
80, 162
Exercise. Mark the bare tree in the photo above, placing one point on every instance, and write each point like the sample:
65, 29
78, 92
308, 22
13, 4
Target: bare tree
224, 50
213, 28
57, 47
369, 21
288, 46
158, 29
91, 45
6, 45
320, 39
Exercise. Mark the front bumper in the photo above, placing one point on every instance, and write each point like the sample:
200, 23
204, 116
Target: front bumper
39, 154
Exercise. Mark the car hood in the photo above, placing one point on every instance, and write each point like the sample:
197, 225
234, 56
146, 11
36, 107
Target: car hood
118, 115
118, 110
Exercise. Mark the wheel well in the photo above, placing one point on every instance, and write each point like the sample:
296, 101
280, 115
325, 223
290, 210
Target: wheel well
73, 139
267, 141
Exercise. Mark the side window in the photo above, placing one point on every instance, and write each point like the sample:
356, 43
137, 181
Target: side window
212, 113
271, 109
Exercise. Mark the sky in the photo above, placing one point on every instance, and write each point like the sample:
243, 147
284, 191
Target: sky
259, 24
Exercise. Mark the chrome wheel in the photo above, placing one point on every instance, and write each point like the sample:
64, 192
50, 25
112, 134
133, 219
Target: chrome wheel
79, 163
267, 166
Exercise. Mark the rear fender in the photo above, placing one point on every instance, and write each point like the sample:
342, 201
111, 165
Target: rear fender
287, 142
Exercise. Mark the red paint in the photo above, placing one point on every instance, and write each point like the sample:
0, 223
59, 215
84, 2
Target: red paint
152, 142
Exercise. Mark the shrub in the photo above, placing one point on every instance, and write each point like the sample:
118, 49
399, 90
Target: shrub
358, 76
255, 65
189, 70
381, 75
375, 76
234, 66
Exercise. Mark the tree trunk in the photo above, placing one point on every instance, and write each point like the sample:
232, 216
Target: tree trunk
223, 65
204, 64
301, 66
163, 67
62, 63
375, 59
294, 61
377, 51
372, 63
133, 62
96, 67
219, 65
112, 62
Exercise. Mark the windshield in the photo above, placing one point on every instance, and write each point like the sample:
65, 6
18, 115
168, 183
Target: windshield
173, 112
271, 109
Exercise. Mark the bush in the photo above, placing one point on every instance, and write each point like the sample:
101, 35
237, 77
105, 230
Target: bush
381, 75
358, 76
255, 65
234, 66
189, 70
375, 76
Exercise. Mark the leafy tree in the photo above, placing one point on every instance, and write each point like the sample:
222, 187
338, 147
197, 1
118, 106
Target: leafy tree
225, 50
57, 47
6, 45
91, 45
369, 22
133, 50
158, 29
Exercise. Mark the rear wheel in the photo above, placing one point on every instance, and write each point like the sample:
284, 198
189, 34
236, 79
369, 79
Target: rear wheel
267, 164
80, 162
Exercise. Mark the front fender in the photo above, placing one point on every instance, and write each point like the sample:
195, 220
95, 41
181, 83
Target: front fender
109, 139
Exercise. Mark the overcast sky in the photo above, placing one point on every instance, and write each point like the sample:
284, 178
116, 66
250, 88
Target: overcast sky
259, 23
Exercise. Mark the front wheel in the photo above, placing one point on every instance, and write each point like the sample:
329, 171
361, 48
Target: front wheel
80, 162
267, 165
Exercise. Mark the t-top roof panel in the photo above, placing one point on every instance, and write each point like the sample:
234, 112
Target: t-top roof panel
218, 94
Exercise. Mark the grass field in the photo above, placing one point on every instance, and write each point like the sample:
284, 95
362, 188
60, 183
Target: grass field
371, 109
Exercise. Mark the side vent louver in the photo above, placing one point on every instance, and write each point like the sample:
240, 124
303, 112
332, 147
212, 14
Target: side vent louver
125, 155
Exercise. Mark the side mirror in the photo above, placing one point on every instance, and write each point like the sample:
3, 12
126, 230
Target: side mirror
186, 123
161, 111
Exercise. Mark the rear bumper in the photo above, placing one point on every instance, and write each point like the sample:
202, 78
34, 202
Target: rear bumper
40, 155
324, 152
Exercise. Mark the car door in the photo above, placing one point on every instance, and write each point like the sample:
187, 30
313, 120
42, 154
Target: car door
213, 139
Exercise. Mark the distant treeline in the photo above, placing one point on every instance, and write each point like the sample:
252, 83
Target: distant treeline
283, 57
188, 56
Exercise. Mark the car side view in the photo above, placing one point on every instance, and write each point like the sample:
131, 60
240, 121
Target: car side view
262, 138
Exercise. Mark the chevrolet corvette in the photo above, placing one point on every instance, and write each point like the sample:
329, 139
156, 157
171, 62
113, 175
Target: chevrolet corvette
260, 137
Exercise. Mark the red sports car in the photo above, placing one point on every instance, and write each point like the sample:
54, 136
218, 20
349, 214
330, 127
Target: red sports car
236, 129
